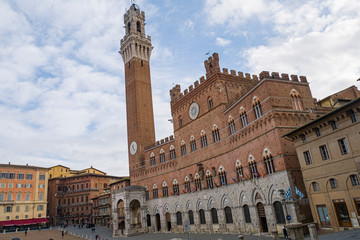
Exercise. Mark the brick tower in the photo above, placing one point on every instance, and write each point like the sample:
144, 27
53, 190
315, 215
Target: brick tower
135, 50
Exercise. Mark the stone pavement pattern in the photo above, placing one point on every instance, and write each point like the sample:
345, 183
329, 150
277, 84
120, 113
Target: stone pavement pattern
106, 233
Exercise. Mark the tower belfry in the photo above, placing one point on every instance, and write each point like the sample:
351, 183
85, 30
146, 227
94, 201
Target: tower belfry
135, 50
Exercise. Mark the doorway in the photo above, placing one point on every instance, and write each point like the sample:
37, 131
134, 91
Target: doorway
262, 217
157, 220
168, 221
342, 213
323, 216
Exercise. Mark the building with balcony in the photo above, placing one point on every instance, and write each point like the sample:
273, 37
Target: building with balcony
23, 195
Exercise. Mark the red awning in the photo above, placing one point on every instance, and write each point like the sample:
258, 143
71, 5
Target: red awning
23, 222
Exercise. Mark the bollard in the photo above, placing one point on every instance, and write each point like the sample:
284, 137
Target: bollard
274, 234
241, 237
296, 231
313, 232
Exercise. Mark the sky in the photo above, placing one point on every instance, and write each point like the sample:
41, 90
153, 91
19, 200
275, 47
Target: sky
62, 92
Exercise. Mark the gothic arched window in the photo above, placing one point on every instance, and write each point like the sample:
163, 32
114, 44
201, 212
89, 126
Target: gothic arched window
214, 216
279, 213
191, 217
228, 215
138, 26
202, 216
247, 214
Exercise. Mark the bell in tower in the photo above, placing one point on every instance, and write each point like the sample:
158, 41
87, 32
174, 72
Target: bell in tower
135, 50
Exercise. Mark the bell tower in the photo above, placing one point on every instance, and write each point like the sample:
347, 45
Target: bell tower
135, 49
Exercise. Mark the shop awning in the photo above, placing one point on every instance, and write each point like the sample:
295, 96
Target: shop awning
23, 222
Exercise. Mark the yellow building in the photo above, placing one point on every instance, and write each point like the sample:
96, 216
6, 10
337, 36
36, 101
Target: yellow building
62, 171
329, 154
23, 195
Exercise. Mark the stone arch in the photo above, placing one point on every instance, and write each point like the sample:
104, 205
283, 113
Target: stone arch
211, 203
166, 209
230, 119
186, 179
208, 173
152, 154
243, 199
266, 153
156, 210
273, 194
189, 206
192, 138
237, 164
182, 143
226, 202
177, 207
251, 158
255, 100
221, 169
199, 205
258, 196
172, 147
202, 133
154, 186
175, 182
164, 184
162, 151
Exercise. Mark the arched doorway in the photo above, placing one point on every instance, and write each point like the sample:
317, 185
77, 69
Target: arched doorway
262, 217
121, 215
168, 221
157, 220
135, 213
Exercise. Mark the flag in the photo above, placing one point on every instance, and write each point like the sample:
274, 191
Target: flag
192, 189
299, 193
263, 175
288, 195
222, 182
216, 185
204, 187
233, 179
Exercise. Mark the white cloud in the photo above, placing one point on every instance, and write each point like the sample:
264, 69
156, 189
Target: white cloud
314, 38
222, 42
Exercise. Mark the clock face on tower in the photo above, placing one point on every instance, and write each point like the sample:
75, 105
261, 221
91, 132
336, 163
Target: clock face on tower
133, 148
194, 110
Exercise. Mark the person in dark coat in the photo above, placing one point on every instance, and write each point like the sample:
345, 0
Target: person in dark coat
285, 233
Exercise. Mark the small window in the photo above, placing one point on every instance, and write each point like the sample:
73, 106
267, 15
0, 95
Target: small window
315, 186
270, 167
162, 157
253, 169
20, 176
232, 127
244, 120
152, 161
165, 191
202, 216
258, 110
155, 193
317, 132
223, 179
172, 154
247, 214
354, 180
17, 208
303, 138
178, 218
193, 145
324, 152
216, 135
191, 217
41, 177
210, 103
29, 176
183, 150
180, 121
214, 216
138, 26
353, 116
334, 124
204, 141
176, 189
146, 195
228, 215
333, 183
279, 213
343, 146
187, 187
198, 184
240, 173
209, 181
307, 158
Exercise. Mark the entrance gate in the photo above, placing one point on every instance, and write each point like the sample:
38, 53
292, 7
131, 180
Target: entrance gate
262, 217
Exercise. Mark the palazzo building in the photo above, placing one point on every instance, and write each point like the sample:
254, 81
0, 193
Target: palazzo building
23, 196
328, 150
227, 167
70, 197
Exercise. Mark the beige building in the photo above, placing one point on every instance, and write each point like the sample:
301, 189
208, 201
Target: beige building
23, 195
63, 171
329, 154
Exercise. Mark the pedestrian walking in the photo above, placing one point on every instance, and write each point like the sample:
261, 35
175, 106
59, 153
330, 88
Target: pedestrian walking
96, 237
62, 234
25, 232
285, 233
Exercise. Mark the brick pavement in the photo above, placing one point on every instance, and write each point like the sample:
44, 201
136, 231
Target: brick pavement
38, 235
